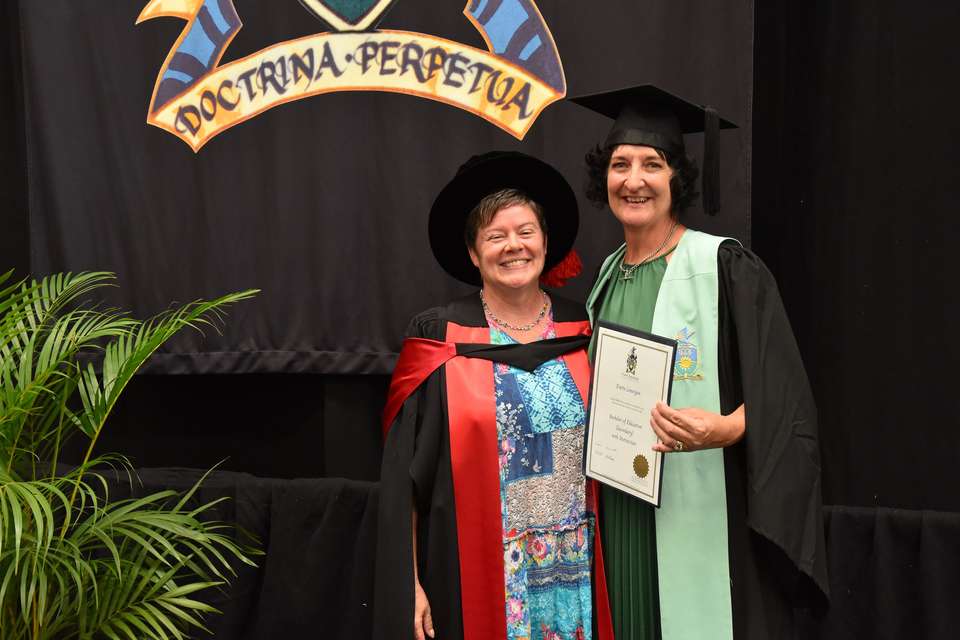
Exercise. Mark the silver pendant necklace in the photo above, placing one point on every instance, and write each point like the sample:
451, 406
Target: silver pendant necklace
627, 271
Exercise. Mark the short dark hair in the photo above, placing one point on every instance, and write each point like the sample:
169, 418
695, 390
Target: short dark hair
487, 208
683, 183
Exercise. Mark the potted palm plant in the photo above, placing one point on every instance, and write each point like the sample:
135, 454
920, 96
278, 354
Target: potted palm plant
73, 563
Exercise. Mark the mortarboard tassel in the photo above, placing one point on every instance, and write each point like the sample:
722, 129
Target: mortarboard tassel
711, 162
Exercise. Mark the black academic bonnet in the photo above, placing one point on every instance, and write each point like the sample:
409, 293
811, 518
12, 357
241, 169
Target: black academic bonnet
647, 115
488, 173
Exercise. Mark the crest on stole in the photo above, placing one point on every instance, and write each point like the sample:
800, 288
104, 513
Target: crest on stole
687, 364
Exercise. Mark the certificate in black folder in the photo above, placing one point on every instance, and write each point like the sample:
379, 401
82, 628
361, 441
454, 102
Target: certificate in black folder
632, 371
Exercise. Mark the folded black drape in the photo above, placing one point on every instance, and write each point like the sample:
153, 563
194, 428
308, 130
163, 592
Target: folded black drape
894, 573
316, 579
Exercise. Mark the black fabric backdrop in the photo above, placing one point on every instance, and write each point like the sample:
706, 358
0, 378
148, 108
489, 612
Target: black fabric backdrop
15, 234
854, 211
321, 203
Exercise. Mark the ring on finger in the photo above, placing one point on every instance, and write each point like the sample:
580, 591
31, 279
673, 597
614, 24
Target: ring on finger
678, 446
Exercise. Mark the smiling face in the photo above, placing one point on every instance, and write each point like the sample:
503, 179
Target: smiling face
638, 186
510, 251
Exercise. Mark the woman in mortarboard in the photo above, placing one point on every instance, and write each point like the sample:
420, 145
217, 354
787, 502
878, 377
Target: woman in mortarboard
737, 544
486, 520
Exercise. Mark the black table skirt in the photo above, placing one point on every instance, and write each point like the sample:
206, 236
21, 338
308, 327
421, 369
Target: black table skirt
319, 535
893, 573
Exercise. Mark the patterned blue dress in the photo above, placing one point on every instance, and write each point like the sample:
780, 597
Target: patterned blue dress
547, 531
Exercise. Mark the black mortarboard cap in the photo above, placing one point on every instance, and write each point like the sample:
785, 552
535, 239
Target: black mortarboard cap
647, 115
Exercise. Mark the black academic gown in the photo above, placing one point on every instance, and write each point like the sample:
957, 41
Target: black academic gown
416, 469
778, 565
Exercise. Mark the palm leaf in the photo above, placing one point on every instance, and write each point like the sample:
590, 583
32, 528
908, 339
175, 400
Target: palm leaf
118, 569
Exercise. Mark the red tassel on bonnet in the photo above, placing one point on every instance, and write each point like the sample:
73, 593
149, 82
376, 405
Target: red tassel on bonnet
569, 267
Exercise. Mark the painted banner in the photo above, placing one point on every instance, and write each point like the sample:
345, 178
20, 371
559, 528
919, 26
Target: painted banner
509, 84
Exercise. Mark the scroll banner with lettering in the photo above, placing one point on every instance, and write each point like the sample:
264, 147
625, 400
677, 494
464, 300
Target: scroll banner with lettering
509, 84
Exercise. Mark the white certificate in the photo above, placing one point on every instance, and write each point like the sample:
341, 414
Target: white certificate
632, 371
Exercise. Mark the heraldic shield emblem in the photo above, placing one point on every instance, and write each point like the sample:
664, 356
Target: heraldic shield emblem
687, 364
348, 15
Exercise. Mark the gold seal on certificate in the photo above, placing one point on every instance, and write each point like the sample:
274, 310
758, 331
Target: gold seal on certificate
632, 371
641, 466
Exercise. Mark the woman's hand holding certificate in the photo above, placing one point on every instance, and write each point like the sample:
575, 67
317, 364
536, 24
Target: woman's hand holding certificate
693, 429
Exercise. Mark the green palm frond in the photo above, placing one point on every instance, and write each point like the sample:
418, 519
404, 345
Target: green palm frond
157, 555
73, 562
30, 305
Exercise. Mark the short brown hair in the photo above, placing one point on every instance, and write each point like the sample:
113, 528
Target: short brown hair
491, 204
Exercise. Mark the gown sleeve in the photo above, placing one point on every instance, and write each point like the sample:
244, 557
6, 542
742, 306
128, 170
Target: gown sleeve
761, 367
415, 470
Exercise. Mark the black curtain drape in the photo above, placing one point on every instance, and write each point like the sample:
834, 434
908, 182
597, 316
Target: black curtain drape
15, 227
854, 136
855, 132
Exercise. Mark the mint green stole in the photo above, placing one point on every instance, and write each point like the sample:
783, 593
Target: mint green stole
691, 523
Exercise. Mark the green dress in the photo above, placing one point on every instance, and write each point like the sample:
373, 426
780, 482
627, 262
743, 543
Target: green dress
627, 526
